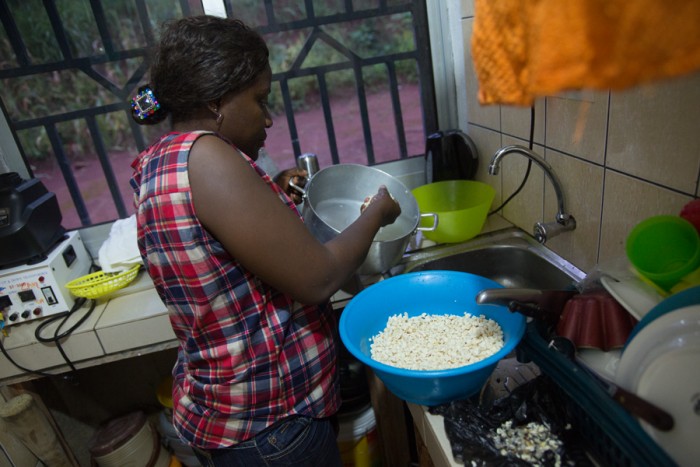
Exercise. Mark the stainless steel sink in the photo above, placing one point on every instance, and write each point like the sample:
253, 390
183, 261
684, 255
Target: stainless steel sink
510, 257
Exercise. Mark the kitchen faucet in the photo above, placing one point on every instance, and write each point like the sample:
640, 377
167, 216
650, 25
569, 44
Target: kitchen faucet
564, 221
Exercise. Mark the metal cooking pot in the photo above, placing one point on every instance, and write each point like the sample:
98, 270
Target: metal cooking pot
332, 200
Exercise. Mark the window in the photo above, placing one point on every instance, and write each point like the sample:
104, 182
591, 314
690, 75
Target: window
352, 83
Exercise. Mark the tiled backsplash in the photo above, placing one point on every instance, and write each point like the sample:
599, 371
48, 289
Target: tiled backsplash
621, 157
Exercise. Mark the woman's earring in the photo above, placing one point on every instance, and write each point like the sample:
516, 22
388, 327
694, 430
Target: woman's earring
219, 116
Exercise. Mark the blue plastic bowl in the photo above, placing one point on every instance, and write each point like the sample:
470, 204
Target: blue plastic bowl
431, 292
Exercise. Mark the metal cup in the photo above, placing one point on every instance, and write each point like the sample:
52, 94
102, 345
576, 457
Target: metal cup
308, 162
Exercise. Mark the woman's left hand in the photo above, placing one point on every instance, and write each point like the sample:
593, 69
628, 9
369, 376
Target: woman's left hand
298, 177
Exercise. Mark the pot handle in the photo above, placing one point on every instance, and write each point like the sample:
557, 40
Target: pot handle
435, 222
297, 187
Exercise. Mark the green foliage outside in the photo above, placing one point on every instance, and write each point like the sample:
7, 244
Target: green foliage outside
58, 92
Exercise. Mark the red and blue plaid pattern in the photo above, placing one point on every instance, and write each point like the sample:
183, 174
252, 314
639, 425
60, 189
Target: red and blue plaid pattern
248, 354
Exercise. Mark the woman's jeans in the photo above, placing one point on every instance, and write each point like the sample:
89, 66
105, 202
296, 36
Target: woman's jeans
295, 441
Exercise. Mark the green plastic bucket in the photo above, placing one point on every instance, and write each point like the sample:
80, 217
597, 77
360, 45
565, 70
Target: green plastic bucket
461, 207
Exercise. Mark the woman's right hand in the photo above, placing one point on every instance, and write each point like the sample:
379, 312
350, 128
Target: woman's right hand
384, 201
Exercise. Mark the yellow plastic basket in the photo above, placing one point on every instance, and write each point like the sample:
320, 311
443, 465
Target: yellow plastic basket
99, 284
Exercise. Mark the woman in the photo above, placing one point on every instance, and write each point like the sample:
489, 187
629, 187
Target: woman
246, 285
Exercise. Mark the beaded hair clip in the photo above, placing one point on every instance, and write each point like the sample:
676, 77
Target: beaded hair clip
145, 103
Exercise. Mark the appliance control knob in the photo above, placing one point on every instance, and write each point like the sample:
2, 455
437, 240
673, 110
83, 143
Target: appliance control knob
14, 316
36, 311
26, 313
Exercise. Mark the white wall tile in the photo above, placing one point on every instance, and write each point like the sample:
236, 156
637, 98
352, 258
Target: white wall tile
485, 115
487, 142
515, 121
527, 207
582, 184
576, 124
628, 201
467, 8
655, 133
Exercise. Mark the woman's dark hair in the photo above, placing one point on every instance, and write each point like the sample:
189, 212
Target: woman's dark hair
200, 59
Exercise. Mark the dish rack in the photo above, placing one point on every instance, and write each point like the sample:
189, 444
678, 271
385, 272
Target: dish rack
613, 436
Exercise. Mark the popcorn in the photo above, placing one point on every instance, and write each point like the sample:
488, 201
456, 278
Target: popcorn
436, 342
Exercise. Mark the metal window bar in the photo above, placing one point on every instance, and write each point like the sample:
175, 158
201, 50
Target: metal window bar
25, 68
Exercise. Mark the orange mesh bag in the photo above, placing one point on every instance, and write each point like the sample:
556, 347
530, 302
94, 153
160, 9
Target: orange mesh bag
524, 49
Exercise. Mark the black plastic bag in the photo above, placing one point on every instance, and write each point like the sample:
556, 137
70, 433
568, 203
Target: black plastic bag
470, 426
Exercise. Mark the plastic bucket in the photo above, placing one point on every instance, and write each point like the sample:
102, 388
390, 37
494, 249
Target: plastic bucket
461, 207
358, 440
129, 441
664, 249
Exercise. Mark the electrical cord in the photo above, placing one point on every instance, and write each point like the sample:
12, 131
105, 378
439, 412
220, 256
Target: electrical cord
56, 338
529, 164
26, 370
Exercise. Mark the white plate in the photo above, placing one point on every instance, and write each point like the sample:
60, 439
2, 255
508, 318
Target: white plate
604, 364
636, 296
662, 364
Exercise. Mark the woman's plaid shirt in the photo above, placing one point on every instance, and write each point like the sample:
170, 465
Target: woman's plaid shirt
248, 354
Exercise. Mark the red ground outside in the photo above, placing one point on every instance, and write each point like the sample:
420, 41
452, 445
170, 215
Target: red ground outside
312, 138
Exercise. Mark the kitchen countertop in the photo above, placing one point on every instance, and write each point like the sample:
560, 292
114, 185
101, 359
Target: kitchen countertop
133, 321
432, 430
